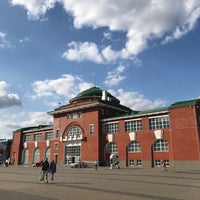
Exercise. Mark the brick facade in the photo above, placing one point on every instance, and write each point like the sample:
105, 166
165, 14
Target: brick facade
78, 133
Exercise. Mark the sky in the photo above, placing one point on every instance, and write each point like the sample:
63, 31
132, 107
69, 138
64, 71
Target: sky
146, 53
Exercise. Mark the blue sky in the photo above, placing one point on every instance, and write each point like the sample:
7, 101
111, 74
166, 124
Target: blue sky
146, 53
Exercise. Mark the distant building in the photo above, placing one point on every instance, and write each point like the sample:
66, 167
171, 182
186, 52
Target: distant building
5, 146
95, 125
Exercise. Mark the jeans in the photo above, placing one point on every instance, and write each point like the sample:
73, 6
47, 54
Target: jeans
52, 176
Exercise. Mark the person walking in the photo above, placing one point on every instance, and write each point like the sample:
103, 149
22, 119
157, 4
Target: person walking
164, 166
45, 170
52, 170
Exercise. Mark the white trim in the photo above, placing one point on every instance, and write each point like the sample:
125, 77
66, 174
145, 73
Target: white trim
158, 116
130, 120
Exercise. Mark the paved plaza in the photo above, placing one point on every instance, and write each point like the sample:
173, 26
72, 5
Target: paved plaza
19, 182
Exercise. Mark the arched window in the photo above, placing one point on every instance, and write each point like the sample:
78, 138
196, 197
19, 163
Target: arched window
47, 153
160, 145
36, 155
111, 148
134, 146
25, 156
74, 130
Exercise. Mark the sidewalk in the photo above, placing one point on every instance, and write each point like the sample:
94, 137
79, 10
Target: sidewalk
19, 182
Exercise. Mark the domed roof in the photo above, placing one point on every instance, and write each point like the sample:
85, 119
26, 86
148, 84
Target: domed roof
93, 93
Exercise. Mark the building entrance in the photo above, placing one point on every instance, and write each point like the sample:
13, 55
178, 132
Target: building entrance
72, 153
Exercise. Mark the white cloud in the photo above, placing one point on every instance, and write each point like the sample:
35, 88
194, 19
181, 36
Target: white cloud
114, 77
8, 100
83, 51
67, 86
37, 118
22, 120
35, 8
137, 101
142, 21
3, 42
109, 54
24, 40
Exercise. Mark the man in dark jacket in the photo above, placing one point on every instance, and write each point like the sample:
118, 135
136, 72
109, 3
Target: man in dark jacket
45, 169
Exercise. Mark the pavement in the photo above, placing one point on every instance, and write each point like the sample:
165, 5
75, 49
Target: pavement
20, 182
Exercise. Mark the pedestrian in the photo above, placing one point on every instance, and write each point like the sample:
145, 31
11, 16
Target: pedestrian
45, 170
96, 164
164, 166
52, 170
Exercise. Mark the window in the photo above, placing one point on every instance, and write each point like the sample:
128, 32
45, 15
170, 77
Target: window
131, 162
91, 129
57, 133
158, 163
111, 148
160, 145
134, 147
27, 138
134, 125
36, 155
25, 156
56, 145
48, 135
37, 136
73, 150
159, 122
74, 130
137, 163
74, 115
48, 153
111, 127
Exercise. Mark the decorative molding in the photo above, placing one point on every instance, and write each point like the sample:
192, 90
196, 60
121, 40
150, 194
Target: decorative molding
132, 136
25, 145
36, 144
47, 143
111, 137
158, 134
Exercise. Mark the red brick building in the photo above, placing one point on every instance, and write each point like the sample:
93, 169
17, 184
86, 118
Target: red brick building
94, 125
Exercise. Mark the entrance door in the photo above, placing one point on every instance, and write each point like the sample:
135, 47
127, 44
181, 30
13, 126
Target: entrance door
72, 153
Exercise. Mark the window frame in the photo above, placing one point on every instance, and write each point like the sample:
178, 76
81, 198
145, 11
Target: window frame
133, 125
159, 122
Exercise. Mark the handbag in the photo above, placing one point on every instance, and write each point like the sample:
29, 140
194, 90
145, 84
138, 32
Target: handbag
41, 178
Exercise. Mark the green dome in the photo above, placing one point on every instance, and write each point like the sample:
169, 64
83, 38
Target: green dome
93, 93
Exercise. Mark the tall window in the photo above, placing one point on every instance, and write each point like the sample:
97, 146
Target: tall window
91, 129
159, 122
48, 153
37, 136
134, 125
36, 155
27, 138
134, 147
57, 133
48, 135
111, 148
111, 128
73, 150
160, 145
25, 156
74, 130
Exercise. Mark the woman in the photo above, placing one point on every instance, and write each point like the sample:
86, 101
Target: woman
52, 170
